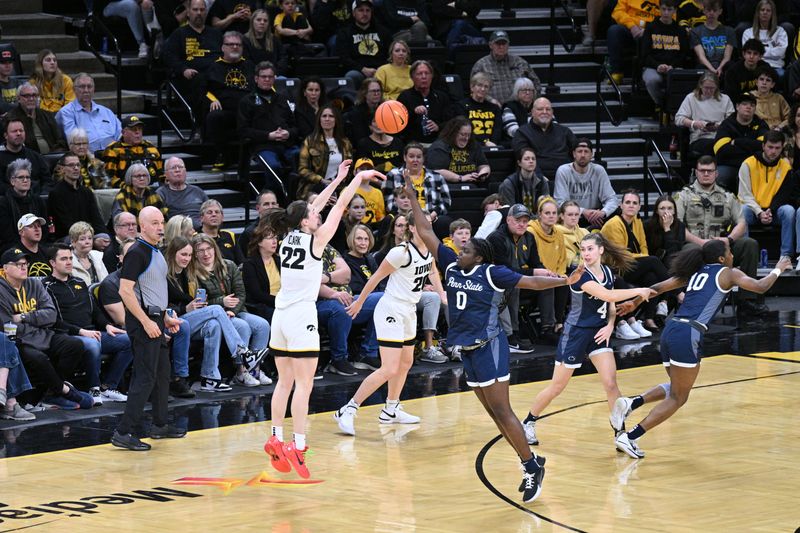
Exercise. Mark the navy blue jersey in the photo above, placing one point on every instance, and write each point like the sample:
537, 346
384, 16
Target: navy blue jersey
473, 298
704, 296
587, 311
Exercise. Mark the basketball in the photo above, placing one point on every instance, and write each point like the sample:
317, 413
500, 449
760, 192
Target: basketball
391, 116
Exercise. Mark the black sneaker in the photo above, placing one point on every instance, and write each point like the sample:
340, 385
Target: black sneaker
129, 442
531, 486
367, 362
167, 432
517, 344
180, 389
341, 367
252, 358
318, 374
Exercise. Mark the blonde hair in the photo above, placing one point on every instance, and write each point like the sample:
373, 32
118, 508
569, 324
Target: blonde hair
78, 229
178, 225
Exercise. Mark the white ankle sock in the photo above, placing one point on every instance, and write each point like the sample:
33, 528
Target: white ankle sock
391, 406
300, 441
277, 431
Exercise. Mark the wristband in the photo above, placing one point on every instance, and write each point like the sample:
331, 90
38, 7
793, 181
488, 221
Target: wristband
776, 271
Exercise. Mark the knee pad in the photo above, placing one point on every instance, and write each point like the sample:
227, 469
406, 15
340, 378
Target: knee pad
666, 388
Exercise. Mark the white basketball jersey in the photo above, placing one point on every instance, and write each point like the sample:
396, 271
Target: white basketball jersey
301, 272
406, 283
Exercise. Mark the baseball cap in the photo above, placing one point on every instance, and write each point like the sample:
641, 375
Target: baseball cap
357, 3
364, 161
29, 218
746, 97
499, 35
583, 141
12, 255
7, 56
518, 211
132, 121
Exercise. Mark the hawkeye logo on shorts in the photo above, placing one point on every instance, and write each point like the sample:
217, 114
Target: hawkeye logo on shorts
391, 319
311, 327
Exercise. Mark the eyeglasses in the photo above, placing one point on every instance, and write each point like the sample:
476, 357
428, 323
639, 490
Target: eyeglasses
19, 264
232, 44
28, 95
128, 225
140, 176
525, 91
22, 178
177, 167
205, 250
81, 143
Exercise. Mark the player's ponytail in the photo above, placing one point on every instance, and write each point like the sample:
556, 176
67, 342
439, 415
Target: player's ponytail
689, 261
281, 221
615, 256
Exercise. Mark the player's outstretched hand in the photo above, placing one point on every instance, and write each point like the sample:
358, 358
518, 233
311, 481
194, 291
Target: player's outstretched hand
576, 274
645, 293
371, 175
784, 264
344, 168
626, 308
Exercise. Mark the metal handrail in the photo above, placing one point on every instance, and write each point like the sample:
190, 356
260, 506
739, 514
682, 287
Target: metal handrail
600, 102
91, 24
168, 86
552, 88
650, 146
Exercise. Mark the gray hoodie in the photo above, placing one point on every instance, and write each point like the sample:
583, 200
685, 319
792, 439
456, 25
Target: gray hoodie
33, 300
591, 190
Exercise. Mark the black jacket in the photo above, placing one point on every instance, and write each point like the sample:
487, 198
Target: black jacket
397, 14
511, 188
12, 207
256, 283
359, 47
736, 142
443, 15
519, 255
46, 121
262, 112
553, 146
76, 307
186, 48
68, 205
440, 110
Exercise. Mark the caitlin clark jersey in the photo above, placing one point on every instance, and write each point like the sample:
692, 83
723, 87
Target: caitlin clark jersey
473, 298
412, 270
703, 295
301, 271
587, 311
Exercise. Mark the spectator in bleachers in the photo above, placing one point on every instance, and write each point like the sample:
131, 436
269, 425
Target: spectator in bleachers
770, 106
702, 111
323, 151
79, 315
17, 201
136, 193
504, 69
408, 18
266, 200
326, 17
552, 142
191, 49
793, 140
793, 81
665, 234
87, 263
395, 76
362, 266
180, 197
132, 147
457, 155
310, 96
265, 118
13, 382
630, 17
353, 214
738, 137
42, 133
690, 14
712, 41
383, 150
211, 219
517, 110
125, 228
432, 190
231, 15
30, 229
485, 115
261, 45
362, 43
261, 273
358, 119
552, 249
224, 286
334, 296
568, 215
293, 30
93, 170
741, 76
8, 85
55, 87
770, 192
710, 212
393, 236
14, 149
375, 206
524, 186
774, 38
627, 230
665, 46
71, 201
98, 121
179, 225
209, 323
455, 22
25, 302
138, 13
224, 83
460, 234
428, 108
587, 184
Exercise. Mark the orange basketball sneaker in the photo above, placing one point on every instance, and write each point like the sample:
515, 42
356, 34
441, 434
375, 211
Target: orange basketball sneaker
274, 449
297, 458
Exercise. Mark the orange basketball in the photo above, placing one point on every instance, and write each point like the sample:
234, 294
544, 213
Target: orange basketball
391, 116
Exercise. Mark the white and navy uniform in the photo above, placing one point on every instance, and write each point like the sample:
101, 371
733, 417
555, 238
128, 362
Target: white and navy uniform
682, 338
396, 313
473, 299
294, 325
587, 315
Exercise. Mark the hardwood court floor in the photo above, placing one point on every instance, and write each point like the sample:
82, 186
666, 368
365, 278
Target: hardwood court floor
728, 461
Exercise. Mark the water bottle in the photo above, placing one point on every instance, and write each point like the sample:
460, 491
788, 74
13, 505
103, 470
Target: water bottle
673, 147
51, 227
425, 120
104, 45
764, 258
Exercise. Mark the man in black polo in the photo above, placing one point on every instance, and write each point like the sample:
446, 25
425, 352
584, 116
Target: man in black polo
143, 288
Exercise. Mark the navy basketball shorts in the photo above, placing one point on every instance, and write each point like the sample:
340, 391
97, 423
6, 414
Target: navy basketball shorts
576, 344
681, 345
488, 364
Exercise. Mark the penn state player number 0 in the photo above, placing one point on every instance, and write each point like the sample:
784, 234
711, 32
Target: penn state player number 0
299, 256
697, 281
461, 300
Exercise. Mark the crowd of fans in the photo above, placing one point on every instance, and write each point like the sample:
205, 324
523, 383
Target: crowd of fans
74, 179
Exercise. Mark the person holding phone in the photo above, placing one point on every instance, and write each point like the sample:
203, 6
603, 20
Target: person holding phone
456, 155
701, 111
